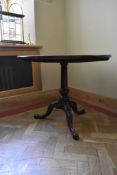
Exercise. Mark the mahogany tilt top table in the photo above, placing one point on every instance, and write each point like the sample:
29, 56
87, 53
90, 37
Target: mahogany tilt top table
64, 102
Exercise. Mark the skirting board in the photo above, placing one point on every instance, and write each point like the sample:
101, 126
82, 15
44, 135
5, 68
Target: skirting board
97, 102
28, 101
25, 102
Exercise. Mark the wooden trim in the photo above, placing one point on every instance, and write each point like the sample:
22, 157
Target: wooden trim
95, 101
31, 100
37, 82
23, 102
18, 91
14, 50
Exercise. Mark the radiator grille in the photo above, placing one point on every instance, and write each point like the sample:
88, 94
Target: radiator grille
6, 78
14, 73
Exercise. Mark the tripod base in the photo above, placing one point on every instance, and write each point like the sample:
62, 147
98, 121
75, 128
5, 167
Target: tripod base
68, 106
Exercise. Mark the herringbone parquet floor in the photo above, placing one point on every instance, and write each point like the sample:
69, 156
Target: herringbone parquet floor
45, 147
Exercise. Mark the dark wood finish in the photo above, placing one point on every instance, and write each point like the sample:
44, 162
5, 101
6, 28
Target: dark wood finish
65, 58
11, 14
64, 102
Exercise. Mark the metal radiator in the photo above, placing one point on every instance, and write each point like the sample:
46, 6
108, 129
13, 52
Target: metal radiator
6, 78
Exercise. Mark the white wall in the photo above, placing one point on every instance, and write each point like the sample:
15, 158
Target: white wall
50, 33
92, 29
29, 20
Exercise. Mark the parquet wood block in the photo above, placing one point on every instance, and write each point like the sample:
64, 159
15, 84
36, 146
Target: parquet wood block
45, 147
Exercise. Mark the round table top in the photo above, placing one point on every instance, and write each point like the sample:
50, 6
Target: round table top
64, 58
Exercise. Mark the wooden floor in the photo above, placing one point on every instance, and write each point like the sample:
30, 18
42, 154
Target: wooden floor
45, 147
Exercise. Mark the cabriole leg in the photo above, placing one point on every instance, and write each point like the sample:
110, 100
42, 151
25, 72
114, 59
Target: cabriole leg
68, 111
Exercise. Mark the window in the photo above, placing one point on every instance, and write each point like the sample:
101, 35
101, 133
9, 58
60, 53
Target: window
11, 23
